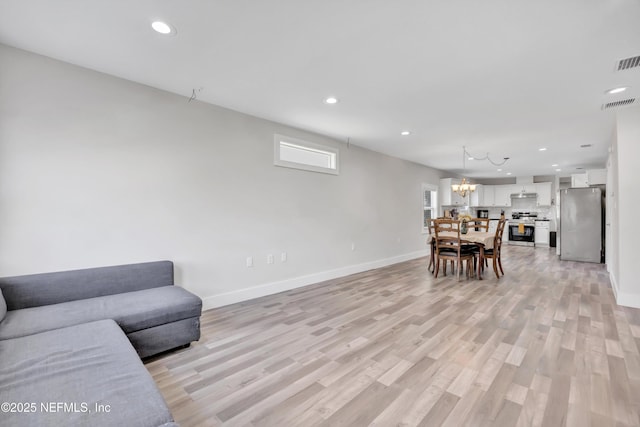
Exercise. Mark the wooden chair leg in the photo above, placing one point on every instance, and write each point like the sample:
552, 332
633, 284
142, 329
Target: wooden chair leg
495, 266
432, 255
436, 267
500, 264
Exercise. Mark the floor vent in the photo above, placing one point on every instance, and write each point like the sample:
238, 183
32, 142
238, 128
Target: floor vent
616, 104
625, 64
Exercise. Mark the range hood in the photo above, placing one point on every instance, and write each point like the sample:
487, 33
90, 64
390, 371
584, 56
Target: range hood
524, 196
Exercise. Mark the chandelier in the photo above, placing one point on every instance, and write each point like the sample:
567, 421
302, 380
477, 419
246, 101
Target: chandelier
465, 187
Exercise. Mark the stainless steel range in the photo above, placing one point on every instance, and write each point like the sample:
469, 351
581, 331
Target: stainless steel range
522, 228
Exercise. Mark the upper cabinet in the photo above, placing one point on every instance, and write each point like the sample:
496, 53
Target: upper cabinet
596, 176
447, 196
503, 194
493, 195
524, 188
579, 180
590, 177
477, 197
544, 193
488, 195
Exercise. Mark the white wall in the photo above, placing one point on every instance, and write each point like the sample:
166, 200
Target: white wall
626, 230
612, 217
95, 170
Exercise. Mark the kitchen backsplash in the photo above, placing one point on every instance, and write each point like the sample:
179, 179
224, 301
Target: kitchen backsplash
544, 212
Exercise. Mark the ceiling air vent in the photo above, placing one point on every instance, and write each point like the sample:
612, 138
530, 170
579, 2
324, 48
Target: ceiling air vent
625, 64
616, 104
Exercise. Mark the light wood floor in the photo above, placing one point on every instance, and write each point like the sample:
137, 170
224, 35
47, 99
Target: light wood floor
545, 345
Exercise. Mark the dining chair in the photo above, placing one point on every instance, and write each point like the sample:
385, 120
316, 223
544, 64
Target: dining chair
431, 241
450, 248
478, 224
495, 252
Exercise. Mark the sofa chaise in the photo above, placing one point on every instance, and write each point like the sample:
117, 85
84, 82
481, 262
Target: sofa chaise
71, 343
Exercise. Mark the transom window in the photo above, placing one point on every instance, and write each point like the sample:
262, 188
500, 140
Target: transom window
298, 154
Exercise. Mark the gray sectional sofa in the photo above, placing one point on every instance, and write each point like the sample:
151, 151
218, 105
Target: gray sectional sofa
71, 343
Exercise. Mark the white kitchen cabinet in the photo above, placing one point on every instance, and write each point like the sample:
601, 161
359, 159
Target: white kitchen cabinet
524, 188
579, 180
502, 194
477, 197
541, 233
488, 195
543, 189
590, 177
447, 196
505, 233
596, 176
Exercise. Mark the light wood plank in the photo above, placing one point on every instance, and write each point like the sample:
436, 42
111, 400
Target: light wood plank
543, 345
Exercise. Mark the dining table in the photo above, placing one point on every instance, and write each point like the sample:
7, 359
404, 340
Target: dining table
483, 239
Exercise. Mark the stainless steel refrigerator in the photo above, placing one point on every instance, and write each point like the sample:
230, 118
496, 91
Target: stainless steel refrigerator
581, 219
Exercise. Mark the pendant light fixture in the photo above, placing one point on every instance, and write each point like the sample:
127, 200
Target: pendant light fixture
464, 187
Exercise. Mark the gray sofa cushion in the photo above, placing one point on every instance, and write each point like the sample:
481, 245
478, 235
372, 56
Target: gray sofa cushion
3, 306
88, 364
52, 288
133, 311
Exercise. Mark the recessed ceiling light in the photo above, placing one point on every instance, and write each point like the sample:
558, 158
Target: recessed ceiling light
163, 27
470, 158
616, 90
508, 173
558, 170
331, 100
499, 170
555, 165
405, 133
542, 149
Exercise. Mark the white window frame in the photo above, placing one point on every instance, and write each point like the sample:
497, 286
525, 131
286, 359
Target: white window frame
279, 140
434, 204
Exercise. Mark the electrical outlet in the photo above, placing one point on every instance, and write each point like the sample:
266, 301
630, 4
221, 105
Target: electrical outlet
283, 257
270, 259
249, 262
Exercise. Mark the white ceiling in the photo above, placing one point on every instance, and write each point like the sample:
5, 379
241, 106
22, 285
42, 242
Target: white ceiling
503, 77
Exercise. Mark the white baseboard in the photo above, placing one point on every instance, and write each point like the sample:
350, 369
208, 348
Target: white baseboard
623, 298
614, 285
297, 282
